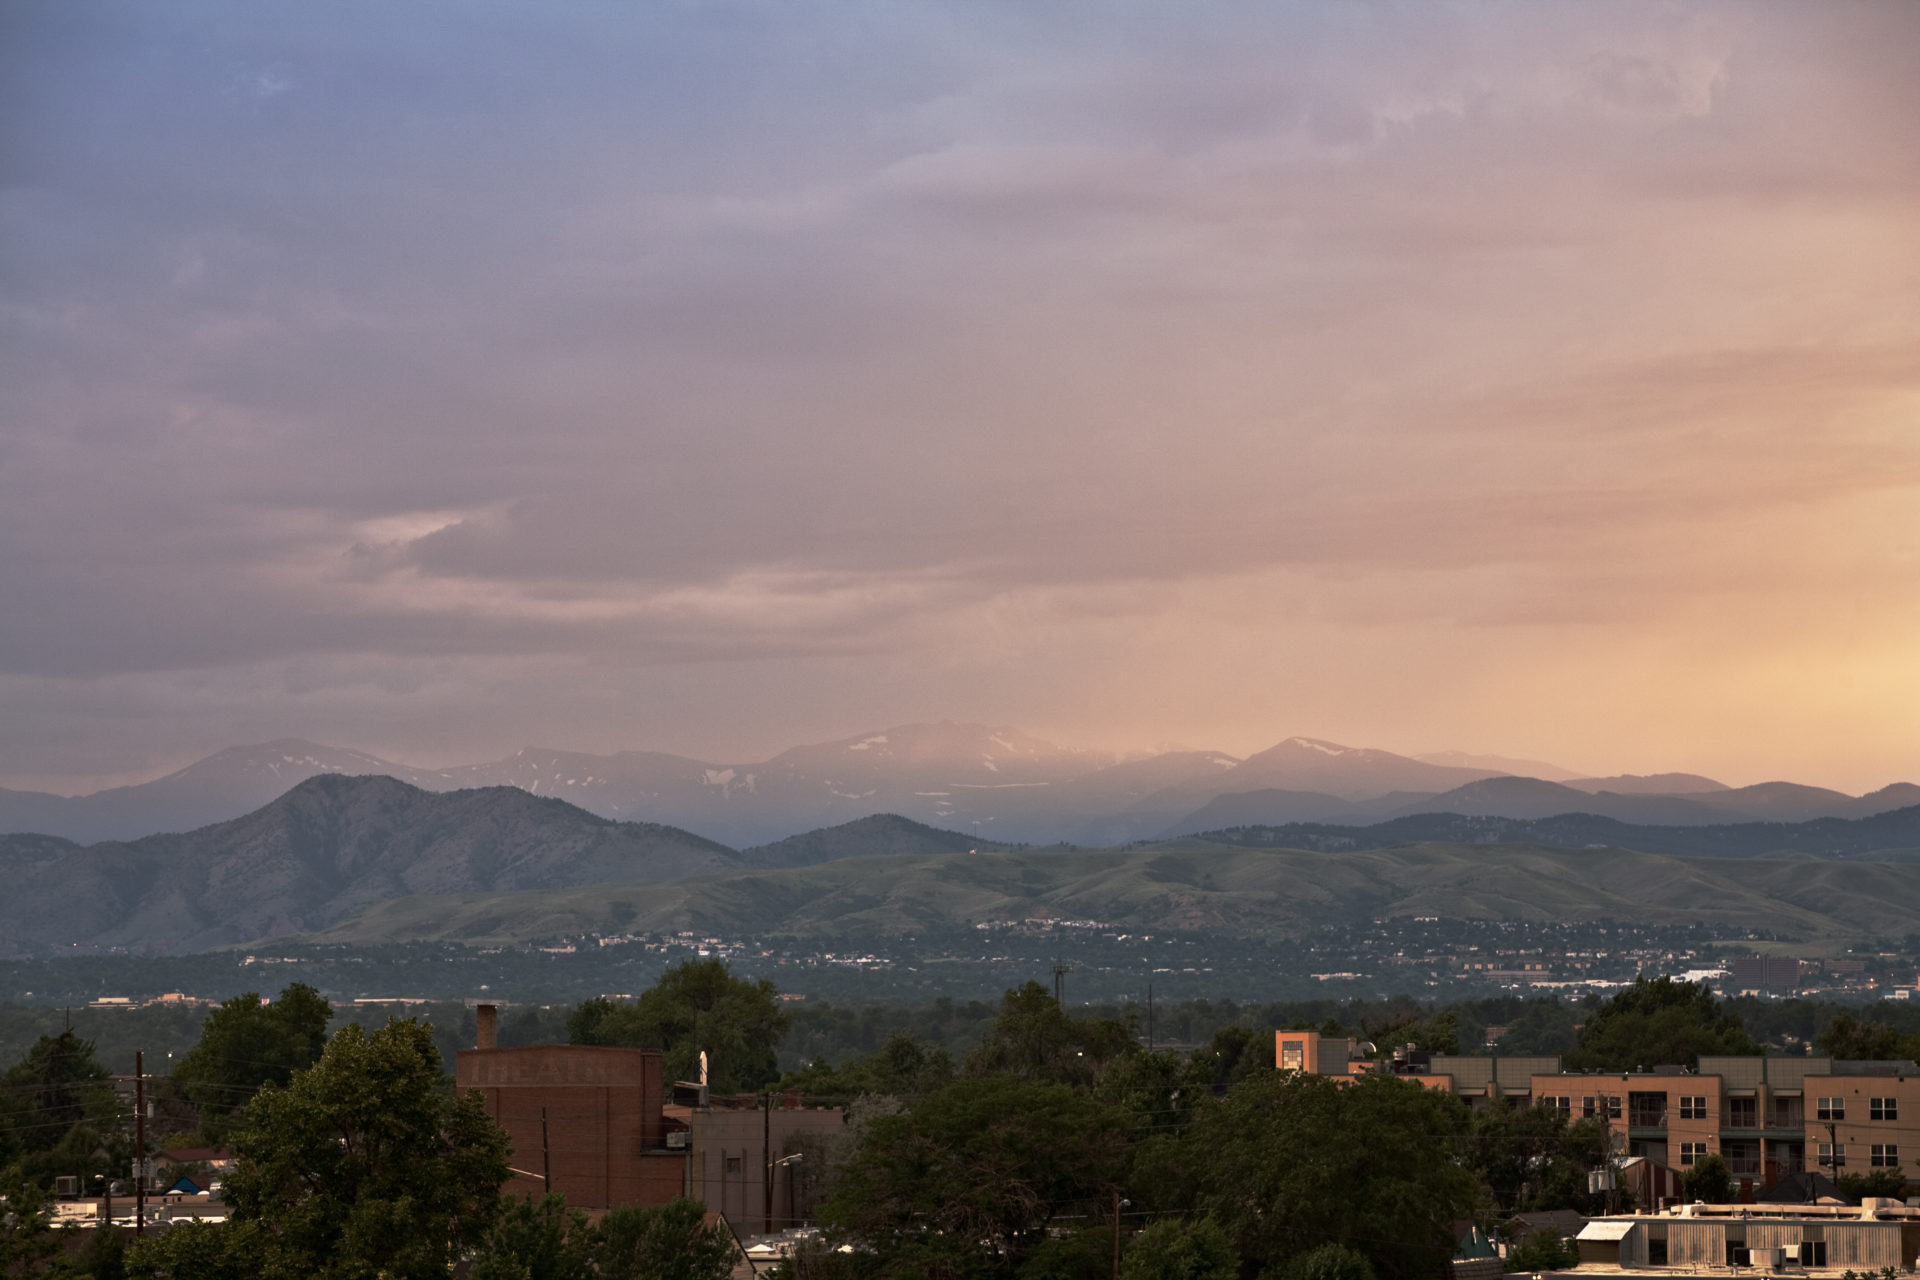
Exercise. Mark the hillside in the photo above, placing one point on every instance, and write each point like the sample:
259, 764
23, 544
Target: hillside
1821, 838
1194, 884
331, 846
882, 835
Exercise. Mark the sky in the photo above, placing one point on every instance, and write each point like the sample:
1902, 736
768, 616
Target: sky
438, 379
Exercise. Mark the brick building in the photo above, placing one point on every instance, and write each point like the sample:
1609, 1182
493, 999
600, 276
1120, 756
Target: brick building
605, 1127
592, 1118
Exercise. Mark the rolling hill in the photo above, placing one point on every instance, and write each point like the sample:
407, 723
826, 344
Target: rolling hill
1193, 885
331, 846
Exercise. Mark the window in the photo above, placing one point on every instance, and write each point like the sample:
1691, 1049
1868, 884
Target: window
1694, 1108
1691, 1152
1561, 1104
1293, 1055
1612, 1106
1884, 1157
1883, 1108
1831, 1155
1832, 1108
733, 1164
1586, 1108
1742, 1113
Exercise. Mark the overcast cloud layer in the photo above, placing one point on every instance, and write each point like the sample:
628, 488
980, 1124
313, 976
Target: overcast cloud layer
434, 379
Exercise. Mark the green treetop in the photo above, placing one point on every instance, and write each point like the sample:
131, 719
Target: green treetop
696, 1006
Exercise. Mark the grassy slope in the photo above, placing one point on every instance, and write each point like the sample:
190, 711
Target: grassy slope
1193, 884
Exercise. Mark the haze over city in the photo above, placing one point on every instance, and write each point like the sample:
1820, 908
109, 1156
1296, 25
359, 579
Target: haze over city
1535, 379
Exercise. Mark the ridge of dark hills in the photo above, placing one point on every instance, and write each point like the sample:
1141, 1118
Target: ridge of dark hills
337, 847
880, 835
331, 846
1882, 833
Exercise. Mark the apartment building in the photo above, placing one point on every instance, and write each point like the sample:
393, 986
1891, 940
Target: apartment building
1765, 1116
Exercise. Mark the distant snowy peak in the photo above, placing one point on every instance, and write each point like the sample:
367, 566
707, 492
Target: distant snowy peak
961, 750
1324, 748
1331, 768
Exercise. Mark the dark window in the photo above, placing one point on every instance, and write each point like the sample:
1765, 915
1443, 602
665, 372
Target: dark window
1832, 1108
1883, 1108
733, 1164
1884, 1157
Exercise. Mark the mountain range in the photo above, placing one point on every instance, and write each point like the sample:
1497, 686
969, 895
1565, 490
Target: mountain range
992, 782
361, 857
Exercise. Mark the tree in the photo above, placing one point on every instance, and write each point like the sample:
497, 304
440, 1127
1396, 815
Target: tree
545, 1240
1287, 1163
58, 1114
1543, 1251
1035, 1039
697, 1005
1849, 1037
1231, 1056
670, 1242
1709, 1181
1531, 1159
246, 1043
1658, 1021
968, 1182
902, 1066
29, 1245
536, 1240
1328, 1262
363, 1165
1889, 1183
1175, 1250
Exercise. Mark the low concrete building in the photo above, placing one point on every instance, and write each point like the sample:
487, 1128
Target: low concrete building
1766, 1237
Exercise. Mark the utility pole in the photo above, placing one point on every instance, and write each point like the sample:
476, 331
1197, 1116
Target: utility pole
1149, 1017
766, 1150
546, 1155
1116, 1233
139, 1142
1060, 972
1834, 1159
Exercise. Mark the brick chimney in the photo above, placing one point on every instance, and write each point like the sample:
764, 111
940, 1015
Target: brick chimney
486, 1019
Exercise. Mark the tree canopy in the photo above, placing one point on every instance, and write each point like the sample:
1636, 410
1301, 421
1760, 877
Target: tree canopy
246, 1043
696, 1005
1288, 1163
1658, 1021
364, 1165
968, 1181
58, 1115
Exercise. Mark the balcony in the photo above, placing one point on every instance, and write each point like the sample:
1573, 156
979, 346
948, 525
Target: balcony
1639, 1117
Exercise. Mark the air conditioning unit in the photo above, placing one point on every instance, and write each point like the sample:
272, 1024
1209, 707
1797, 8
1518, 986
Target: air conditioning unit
679, 1140
66, 1185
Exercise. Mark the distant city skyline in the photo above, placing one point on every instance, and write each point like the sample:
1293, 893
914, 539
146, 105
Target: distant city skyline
1532, 379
